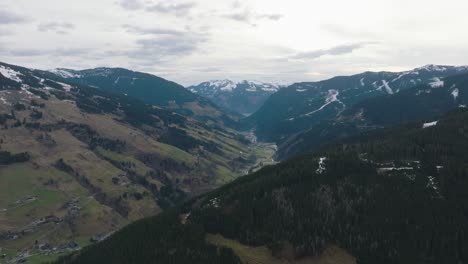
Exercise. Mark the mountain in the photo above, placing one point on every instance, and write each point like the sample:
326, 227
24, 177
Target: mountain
243, 97
390, 196
77, 162
311, 106
423, 101
150, 89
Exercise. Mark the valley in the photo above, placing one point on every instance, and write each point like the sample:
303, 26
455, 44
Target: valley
86, 157
96, 161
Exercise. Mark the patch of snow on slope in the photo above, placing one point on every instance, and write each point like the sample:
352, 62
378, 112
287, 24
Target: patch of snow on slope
321, 165
436, 82
431, 124
223, 85
4, 101
65, 73
455, 93
331, 97
387, 87
362, 82
403, 74
252, 87
432, 67
301, 90
431, 184
10, 73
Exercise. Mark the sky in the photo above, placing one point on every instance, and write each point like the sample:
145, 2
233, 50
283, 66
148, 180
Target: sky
191, 41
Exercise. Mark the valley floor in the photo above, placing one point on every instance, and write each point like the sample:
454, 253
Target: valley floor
28, 194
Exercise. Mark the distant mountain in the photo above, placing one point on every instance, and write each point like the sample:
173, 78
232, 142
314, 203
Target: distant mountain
77, 162
391, 196
150, 89
316, 106
419, 102
243, 97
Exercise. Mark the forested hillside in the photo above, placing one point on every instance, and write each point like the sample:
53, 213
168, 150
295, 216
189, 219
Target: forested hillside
150, 89
391, 196
411, 104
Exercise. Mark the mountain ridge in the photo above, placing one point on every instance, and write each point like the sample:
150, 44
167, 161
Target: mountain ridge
310, 105
243, 97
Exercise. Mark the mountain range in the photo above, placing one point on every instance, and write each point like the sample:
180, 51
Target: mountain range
149, 89
317, 111
244, 97
373, 168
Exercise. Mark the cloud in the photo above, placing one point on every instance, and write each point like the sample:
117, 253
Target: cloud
159, 44
5, 32
250, 17
177, 9
236, 4
162, 47
58, 27
152, 31
131, 4
209, 69
335, 51
7, 17
45, 52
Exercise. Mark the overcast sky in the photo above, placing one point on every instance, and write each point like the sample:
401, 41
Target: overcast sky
190, 41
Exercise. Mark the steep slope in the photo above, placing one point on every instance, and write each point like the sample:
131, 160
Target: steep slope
78, 162
392, 196
150, 89
302, 105
419, 102
243, 97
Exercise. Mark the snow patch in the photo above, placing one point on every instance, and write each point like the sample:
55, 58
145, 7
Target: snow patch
432, 67
64, 73
436, 82
394, 169
387, 87
4, 101
10, 73
362, 82
431, 124
301, 90
331, 97
431, 184
455, 93
321, 165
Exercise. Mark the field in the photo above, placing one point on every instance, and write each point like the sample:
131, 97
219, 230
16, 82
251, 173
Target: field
262, 255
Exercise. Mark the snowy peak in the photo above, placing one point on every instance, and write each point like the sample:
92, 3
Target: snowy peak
65, 73
214, 87
243, 97
68, 73
433, 68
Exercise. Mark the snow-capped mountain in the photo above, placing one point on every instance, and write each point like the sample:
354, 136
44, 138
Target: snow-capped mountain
311, 106
243, 97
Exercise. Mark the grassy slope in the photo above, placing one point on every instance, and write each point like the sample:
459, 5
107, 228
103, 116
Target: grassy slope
54, 188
